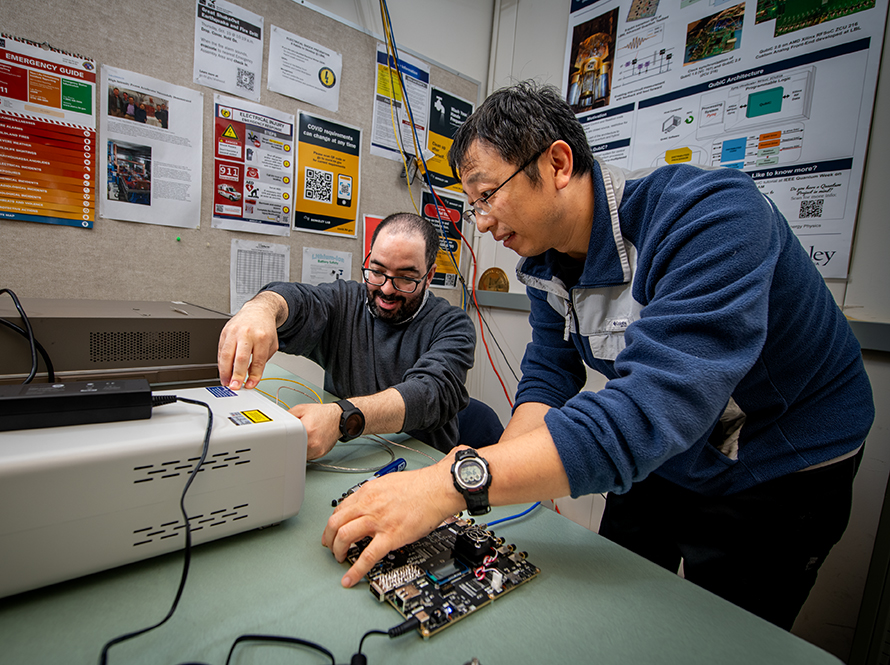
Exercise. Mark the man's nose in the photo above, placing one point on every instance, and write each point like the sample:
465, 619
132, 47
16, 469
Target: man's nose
387, 288
484, 223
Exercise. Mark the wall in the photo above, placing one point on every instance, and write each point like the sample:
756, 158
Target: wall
455, 33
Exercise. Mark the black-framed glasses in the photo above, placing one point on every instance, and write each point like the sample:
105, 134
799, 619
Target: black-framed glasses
482, 205
403, 284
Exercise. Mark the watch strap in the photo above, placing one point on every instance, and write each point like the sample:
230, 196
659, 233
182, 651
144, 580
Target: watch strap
477, 502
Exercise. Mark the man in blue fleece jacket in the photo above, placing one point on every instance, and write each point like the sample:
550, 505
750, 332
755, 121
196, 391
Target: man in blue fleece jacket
737, 404
398, 353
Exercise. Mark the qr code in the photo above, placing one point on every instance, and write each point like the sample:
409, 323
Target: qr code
450, 279
810, 209
245, 79
318, 185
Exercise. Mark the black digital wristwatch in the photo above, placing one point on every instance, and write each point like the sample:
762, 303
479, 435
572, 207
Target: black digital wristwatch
472, 479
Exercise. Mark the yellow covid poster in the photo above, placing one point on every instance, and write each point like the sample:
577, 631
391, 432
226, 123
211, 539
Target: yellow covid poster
328, 166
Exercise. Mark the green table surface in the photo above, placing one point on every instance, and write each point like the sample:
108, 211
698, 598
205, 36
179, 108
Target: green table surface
593, 602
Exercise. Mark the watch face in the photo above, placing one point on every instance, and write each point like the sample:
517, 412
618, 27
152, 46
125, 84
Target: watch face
354, 424
471, 473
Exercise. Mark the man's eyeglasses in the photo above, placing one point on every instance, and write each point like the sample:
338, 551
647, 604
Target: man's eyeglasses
403, 284
482, 205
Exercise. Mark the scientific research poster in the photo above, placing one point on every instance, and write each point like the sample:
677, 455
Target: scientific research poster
47, 134
781, 90
152, 134
228, 48
392, 127
253, 167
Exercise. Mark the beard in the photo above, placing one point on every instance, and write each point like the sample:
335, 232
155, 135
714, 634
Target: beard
409, 304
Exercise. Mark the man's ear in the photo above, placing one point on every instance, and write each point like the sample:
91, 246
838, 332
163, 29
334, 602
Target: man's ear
432, 273
560, 163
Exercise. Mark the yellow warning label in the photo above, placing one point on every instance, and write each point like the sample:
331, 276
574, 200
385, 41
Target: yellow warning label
256, 416
230, 133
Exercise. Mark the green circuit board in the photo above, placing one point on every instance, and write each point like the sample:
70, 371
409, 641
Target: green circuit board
446, 576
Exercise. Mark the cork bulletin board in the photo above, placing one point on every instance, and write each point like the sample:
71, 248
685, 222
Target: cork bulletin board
119, 260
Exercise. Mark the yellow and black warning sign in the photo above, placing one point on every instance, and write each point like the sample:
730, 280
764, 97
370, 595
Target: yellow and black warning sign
257, 416
447, 114
249, 417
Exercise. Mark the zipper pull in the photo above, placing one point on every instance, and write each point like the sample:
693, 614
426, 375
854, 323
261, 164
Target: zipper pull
569, 313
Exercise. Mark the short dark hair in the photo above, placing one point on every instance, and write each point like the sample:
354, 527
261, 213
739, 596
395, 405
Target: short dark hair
522, 121
408, 222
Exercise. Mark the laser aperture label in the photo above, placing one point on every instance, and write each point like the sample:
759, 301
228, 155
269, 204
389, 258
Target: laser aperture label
257, 416
249, 417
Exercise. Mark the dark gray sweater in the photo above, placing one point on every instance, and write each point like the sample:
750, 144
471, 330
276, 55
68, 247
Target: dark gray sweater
426, 360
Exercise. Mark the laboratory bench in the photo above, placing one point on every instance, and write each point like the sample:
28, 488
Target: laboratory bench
592, 602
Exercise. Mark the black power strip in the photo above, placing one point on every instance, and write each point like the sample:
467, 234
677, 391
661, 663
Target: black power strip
35, 405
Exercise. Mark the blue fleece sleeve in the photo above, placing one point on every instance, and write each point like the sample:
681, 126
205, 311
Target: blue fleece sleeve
707, 245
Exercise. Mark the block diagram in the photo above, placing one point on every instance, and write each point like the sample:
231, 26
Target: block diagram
759, 149
768, 100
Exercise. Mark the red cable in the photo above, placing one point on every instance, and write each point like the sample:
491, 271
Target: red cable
475, 302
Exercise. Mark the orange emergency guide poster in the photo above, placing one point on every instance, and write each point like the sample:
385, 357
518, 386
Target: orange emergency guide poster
47, 134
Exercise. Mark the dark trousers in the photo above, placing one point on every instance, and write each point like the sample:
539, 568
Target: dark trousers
760, 548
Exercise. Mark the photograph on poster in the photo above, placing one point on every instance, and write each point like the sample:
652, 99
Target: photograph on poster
593, 51
714, 35
129, 173
793, 15
136, 105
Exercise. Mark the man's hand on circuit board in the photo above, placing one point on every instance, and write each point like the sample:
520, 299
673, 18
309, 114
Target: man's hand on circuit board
393, 510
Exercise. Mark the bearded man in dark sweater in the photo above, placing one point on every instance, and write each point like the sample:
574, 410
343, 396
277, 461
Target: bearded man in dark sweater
398, 353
